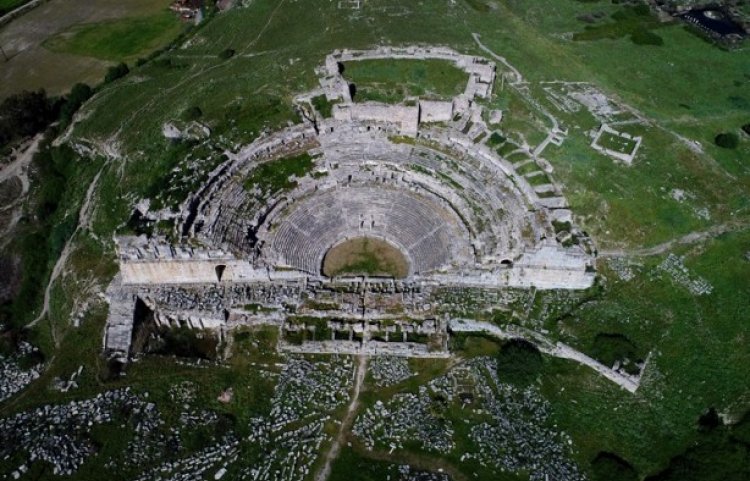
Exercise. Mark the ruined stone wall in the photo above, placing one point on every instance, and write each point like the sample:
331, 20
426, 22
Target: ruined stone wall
190, 272
407, 117
434, 111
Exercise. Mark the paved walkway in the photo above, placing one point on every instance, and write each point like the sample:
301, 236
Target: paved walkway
547, 346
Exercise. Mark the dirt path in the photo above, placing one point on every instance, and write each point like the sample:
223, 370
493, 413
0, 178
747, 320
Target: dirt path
18, 166
518, 78
83, 221
516, 82
690, 238
346, 423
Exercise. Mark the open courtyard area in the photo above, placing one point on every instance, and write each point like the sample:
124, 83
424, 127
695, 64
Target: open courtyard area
359, 240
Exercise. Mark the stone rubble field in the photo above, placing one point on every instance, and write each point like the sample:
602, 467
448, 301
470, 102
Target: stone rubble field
675, 268
290, 437
13, 377
282, 445
61, 434
389, 370
514, 435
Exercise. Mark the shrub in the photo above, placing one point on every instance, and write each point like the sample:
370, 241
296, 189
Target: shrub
79, 94
738, 102
226, 53
323, 106
561, 226
611, 467
496, 139
519, 362
118, 71
727, 140
164, 63
611, 348
709, 419
478, 5
193, 113
25, 114
642, 10
746, 128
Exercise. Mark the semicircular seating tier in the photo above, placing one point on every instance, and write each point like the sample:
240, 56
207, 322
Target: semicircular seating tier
429, 234
501, 220
490, 220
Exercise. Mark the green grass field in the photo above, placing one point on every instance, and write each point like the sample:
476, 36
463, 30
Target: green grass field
392, 81
117, 40
32, 65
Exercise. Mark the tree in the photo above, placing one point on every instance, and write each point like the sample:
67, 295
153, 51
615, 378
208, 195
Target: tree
709, 419
727, 140
718, 454
25, 114
118, 71
611, 348
611, 467
519, 362
496, 139
79, 94
226, 54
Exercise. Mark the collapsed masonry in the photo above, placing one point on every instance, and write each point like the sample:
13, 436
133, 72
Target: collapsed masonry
407, 117
413, 176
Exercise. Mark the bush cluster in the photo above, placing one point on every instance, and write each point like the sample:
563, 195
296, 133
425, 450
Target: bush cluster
25, 114
118, 71
727, 140
519, 362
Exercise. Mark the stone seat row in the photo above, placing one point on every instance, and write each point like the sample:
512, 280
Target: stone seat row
302, 238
